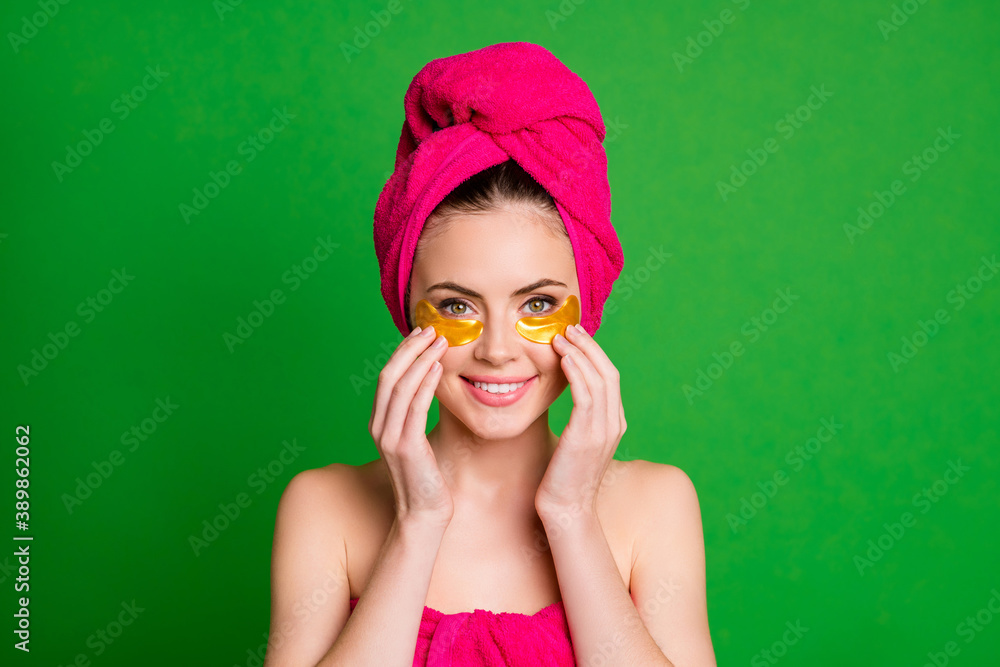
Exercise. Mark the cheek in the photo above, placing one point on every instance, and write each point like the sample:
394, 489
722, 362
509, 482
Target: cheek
456, 358
547, 361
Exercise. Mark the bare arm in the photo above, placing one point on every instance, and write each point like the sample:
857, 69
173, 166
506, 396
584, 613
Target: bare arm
605, 627
668, 570
383, 628
666, 620
309, 587
309, 538
311, 619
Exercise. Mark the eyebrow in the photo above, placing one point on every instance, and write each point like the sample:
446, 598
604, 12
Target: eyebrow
544, 282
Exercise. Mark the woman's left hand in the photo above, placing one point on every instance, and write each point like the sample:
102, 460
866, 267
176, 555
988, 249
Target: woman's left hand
596, 425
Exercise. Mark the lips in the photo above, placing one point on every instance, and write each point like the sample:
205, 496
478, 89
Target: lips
498, 400
497, 379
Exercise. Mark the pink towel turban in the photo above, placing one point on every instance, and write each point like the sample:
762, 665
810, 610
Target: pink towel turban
471, 111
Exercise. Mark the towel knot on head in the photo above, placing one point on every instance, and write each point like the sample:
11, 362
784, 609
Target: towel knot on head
471, 111
500, 89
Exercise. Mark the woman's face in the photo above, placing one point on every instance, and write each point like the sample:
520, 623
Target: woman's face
496, 267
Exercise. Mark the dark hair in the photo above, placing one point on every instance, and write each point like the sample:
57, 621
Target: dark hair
500, 186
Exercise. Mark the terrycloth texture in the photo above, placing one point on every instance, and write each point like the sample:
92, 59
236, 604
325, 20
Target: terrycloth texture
488, 639
471, 111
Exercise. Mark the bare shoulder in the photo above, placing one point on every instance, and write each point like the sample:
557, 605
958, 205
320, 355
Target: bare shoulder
321, 510
318, 485
640, 477
310, 589
309, 508
663, 477
658, 492
673, 485
669, 528
329, 491
667, 580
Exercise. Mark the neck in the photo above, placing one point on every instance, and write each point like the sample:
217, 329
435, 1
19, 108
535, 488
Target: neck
492, 467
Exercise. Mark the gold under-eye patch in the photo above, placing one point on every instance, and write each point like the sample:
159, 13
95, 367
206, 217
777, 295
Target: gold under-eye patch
457, 332
540, 329
544, 328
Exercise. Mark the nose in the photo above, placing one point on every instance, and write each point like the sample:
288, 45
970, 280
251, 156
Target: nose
499, 342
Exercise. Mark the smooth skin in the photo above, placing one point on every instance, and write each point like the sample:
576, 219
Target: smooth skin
491, 510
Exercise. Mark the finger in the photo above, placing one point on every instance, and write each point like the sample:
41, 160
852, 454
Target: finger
401, 395
415, 431
375, 403
415, 426
378, 407
609, 375
401, 359
593, 351
587, 388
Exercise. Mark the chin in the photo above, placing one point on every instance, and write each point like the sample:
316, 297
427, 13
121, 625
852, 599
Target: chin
500, 427
492, 423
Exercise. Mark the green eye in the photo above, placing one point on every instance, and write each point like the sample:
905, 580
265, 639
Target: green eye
448, 303
537, 305
544, 301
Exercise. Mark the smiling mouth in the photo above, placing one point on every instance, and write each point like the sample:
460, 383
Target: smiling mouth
498, 389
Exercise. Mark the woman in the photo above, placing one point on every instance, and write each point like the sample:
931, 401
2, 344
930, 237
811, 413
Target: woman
490, 540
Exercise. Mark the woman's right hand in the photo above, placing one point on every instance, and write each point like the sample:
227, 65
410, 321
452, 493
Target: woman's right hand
405, 389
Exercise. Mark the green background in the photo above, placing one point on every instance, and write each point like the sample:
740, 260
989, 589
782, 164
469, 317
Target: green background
675, 131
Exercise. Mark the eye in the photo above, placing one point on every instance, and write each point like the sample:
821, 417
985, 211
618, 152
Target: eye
540, 302
461, 310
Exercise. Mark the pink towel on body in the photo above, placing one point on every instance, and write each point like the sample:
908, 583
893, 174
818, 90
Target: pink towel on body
471, 111
490, 639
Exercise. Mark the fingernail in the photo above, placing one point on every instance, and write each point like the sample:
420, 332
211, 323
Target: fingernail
428, 332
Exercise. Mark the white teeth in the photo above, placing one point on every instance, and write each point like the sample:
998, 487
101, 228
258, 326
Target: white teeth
494, 388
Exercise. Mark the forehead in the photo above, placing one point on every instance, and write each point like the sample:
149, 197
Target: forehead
494, 250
